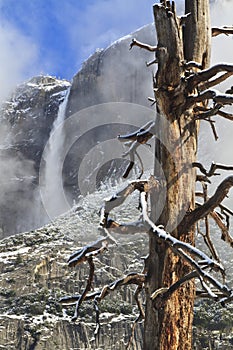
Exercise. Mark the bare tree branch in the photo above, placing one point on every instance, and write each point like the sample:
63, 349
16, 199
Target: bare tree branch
83, 254
224, 229
142, 135
118, 198
87, 288
167, 292
147, 47
207, 95
209, 112
134, 140
220, 194
144, 187
180, 248
213, 168
213, 128
191, 64
131, 278
208, 84
208, 73
222, 30
225, 115
218, 218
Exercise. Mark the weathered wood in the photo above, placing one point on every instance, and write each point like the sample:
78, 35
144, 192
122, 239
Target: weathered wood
169, 326
217, 198
197, 32
222, 30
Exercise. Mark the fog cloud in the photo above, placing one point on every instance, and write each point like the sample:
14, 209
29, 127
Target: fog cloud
18, 58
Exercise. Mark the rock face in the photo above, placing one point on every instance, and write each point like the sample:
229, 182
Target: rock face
115, 74
34, 275
26, 121
111, 75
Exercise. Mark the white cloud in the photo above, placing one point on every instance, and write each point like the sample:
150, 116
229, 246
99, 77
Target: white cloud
102, 22
18, 57
221, 14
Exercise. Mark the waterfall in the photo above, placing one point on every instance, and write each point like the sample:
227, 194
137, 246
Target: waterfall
51, 183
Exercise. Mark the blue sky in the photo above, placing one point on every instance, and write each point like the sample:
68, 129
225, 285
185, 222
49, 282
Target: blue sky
55, 36
61, 34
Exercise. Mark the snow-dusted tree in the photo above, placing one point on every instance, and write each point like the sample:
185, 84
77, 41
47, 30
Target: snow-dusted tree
184, 97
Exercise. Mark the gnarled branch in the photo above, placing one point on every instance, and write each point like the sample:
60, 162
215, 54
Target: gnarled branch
207, 74
134, 140
181, 248
208, 84
222, 30
220, 194
207, 95
224, 229
213, 168
225, 115
147, 47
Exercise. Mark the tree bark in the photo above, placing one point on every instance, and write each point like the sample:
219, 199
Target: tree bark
168, 323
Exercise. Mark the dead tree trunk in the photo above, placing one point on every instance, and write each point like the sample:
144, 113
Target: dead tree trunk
183, 96
168, 324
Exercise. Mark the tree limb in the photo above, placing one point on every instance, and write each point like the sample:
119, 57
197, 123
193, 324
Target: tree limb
224, 229
131, 278
90, 250
208, 73
209, 112
208, 84
222, 30
180, 248
118, 198
220, 194
213, 168
144, 188
87, 288
225, 115
207, 95
147, 47
167, 292
134, 140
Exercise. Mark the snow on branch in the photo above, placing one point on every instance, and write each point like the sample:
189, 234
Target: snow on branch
132, 278
203, 96
208, 84
222, 30
182, 249
118, 199
133, 141
198, 260
90, 250
185, 250
206, 74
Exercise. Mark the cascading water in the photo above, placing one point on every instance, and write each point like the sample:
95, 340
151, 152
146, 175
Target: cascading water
51, 177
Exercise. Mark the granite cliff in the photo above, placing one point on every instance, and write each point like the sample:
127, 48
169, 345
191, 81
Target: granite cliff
109, 75
34, 275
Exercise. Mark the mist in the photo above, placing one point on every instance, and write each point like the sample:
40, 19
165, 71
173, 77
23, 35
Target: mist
18, 58
219, 151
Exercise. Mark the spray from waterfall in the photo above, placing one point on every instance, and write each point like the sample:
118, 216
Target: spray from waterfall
52, 188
